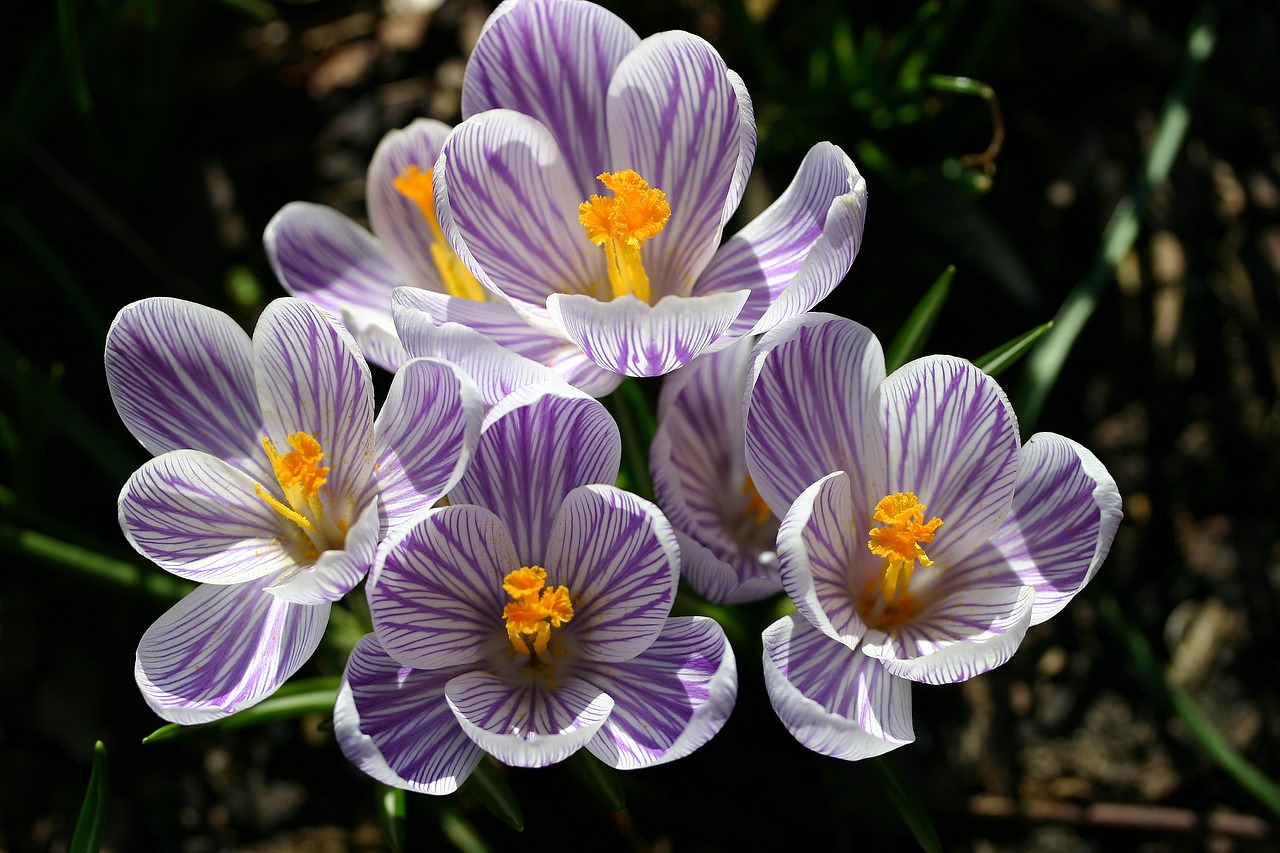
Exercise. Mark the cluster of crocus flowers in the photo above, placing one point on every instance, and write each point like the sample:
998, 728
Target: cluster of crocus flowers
581, 226
272, 484
919, 541
529, 618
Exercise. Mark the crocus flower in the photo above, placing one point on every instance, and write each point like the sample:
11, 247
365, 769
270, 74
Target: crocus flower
698, 462
529, 618
919, 540
271, 485
590, 184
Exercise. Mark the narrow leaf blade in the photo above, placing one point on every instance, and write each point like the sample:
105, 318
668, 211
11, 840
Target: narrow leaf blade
907, 802
1008, 353
93, 814
910, 340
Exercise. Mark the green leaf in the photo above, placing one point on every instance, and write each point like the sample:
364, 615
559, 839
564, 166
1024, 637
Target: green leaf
305, 696
910, 340
600, 779
636, 423
907, 802
391, 804
88, 834
490, 787
71, 56
460, 831
1008, 353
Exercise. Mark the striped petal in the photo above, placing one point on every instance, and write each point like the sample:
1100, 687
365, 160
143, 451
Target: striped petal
553, 61
810, 406
509, 207
964, 634
818, 552
181, 377
746, 148
222, 649
199, 517
618, 557
528, 723
797, 251
953, 441
426, 433
379, 345
674, 118
634, 338
502, 351
698, 463
834, 700
670, 700
322, 256
312, 378
537, 445
338, 570
435, 591
395, 218
393, 723
1065, 512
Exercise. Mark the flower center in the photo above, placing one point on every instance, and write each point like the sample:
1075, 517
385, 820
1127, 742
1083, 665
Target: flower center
415, 185
899, 542
621, 225
300, 476
534, 610
756, 507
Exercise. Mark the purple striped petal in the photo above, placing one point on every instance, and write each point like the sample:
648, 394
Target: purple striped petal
746, 148
435, 591
810, 406
312, 377
338, 570
834, 700
797, 251
965, 634
426, 433
699, 468
503, 352
1065, 512
322, 256
537, 445
393, 723
222, 649
618, 557
552, 61
181, 377
631, 337
405, 236
674, 118
196, 516
509, 207
819, 553
527, 723
953, 441
379, 345
669, 701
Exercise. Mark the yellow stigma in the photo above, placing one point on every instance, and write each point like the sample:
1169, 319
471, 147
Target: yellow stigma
415, 185
535, 610
756, 507
621, 224
899, 542
300, 476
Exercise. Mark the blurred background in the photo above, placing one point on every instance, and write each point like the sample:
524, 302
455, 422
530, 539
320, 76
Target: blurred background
144, 145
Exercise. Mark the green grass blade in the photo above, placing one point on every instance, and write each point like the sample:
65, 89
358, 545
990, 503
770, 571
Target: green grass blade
1007, 354
600, 779
636, 422
93, 814
306, 696
490, 787
907, 802
1201, 730
910, 340
1046, 361
391, 805
72, 58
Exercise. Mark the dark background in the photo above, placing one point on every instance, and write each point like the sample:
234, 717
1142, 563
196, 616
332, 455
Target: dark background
144, 145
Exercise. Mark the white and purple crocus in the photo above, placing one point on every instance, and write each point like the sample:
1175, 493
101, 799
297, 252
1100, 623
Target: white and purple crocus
272, 484
919, 539
529, 618
586, 195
